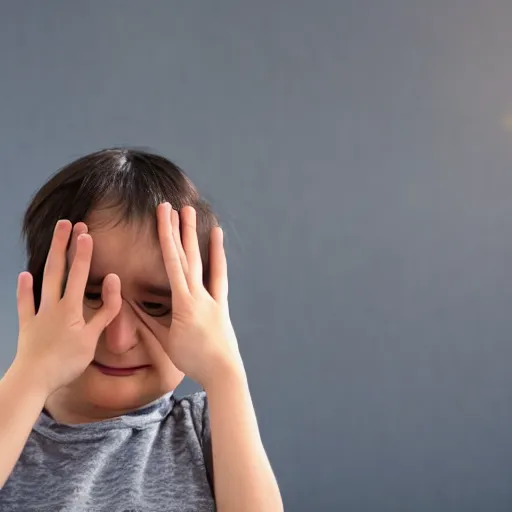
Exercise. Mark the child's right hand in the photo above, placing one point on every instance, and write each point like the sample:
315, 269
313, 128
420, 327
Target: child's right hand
56, 345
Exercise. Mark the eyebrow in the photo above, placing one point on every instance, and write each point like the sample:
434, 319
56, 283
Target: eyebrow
152, 289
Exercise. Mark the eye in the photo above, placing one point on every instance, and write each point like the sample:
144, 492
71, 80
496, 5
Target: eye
156, 309
93, 299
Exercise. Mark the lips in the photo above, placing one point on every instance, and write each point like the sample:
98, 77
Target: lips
118, 372
120, 368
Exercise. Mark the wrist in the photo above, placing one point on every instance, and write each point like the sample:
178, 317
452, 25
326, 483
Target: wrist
226, 377
25, 381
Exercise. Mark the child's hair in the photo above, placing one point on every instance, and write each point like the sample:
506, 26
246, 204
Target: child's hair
131, 181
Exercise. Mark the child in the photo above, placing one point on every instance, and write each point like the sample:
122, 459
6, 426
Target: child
89, 420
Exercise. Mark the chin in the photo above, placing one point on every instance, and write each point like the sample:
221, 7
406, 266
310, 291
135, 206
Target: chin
121, 394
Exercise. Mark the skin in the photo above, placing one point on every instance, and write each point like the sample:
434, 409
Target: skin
192, 335
135, 337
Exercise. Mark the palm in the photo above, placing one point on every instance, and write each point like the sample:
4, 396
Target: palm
201, 337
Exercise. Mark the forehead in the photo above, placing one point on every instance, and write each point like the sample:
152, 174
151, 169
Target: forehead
127, 248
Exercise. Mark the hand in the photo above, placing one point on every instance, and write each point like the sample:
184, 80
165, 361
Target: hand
201, 341
56, 344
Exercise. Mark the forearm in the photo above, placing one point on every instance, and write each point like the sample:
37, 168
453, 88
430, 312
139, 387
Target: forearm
243, 477
20, 403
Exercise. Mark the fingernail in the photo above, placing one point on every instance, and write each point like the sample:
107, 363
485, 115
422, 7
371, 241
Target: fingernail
80, 227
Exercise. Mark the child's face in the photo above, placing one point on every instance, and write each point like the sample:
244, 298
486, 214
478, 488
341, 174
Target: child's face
132, 251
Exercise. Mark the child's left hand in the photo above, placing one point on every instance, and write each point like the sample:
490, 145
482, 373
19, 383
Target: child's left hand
201, 341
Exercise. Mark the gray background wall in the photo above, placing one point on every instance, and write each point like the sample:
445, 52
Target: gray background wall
359, 153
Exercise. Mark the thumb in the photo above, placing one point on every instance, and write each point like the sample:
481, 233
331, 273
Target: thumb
154, 346
111, 295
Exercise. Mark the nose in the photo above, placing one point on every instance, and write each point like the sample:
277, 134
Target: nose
121, 334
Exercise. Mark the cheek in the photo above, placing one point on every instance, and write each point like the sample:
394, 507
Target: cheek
154, 336
88, 312
162, 324
158, 329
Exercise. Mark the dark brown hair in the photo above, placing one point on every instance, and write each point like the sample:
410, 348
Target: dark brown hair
131, 180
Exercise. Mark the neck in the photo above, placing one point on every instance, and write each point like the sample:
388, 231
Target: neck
64, 407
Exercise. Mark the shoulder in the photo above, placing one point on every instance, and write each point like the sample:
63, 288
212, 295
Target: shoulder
195, 404
193, 409
192, 413
194, 401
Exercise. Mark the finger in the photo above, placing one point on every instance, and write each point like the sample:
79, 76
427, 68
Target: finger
25, 298
55, 267
218, 282
175, 222
79, 272
154, 347
170, 253
191, 246
78, 229
112, 301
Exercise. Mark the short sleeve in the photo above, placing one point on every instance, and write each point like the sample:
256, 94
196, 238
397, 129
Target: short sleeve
207, 446
201, 419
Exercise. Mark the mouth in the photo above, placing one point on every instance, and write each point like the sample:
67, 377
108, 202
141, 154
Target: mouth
118, 372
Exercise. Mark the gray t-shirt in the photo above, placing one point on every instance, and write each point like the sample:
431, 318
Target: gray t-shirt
157, 458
